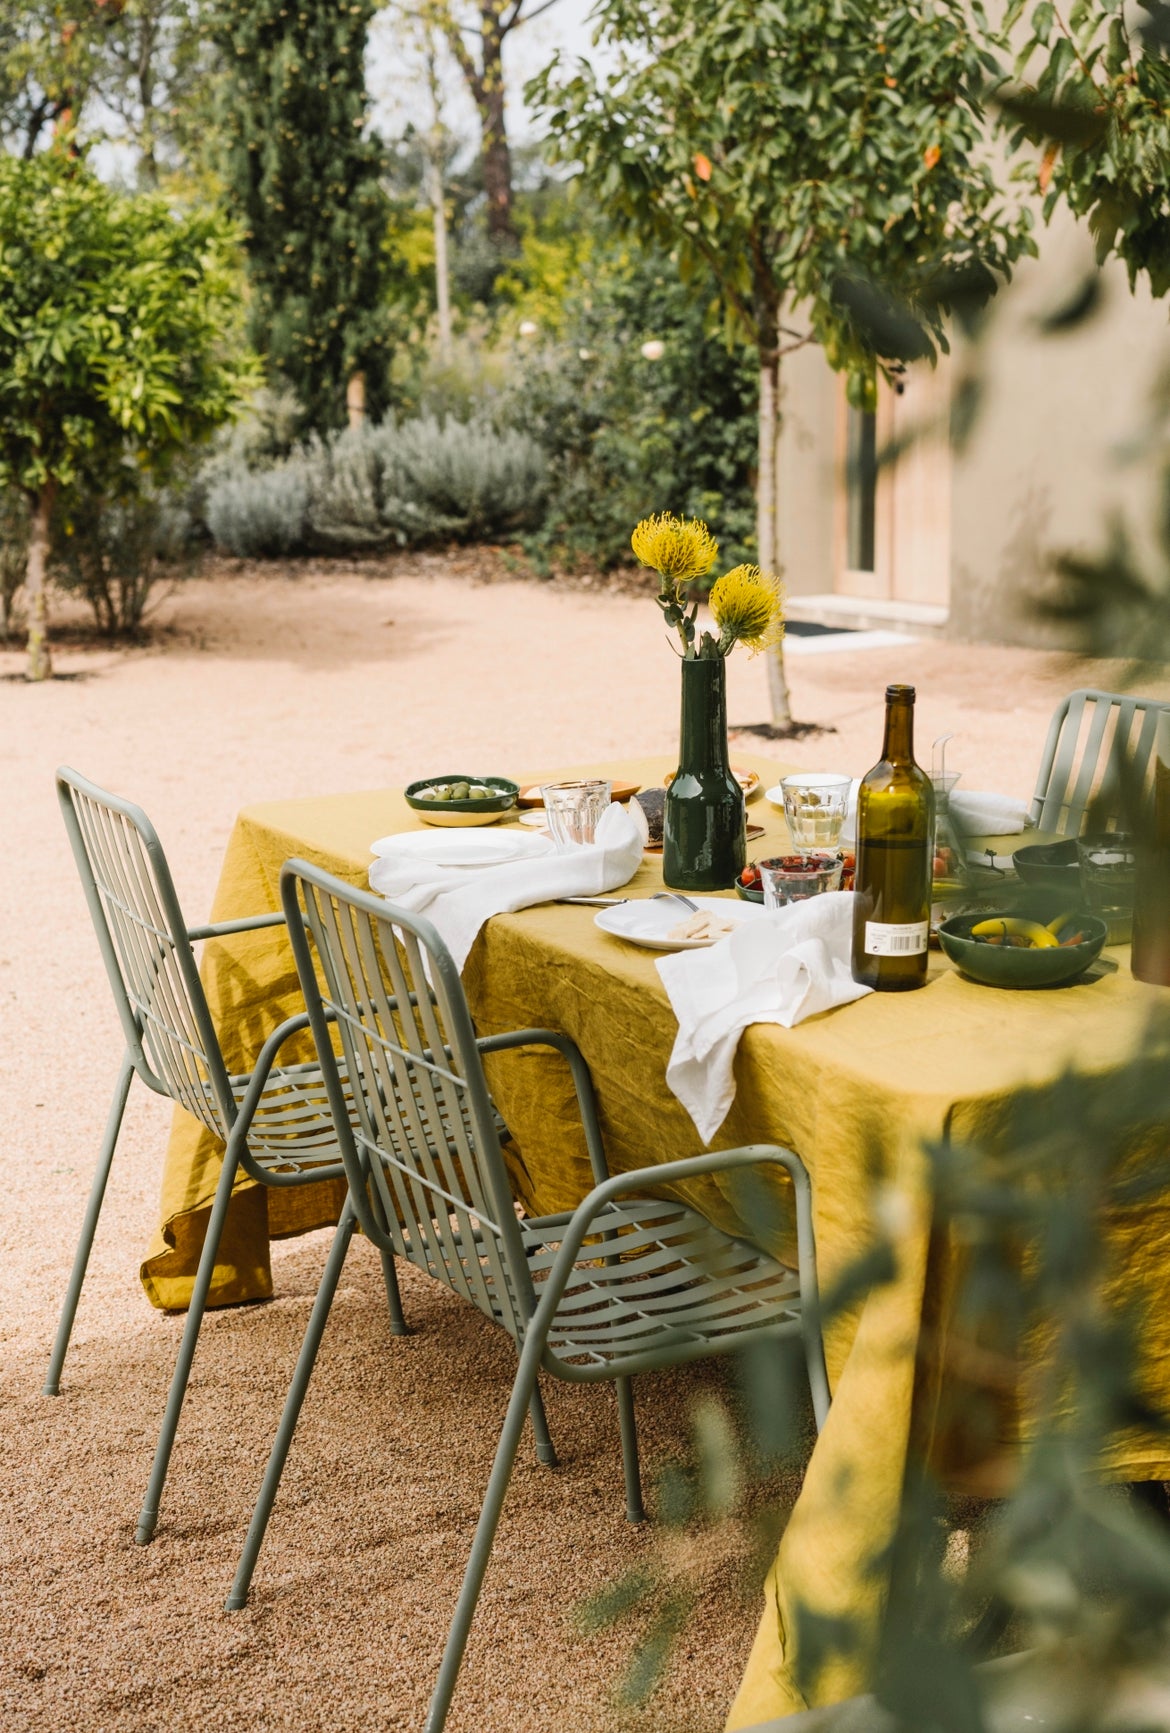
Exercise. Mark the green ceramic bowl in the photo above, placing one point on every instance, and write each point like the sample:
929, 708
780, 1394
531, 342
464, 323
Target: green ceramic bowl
1005, 966
463, 812
1052, 866
749, 893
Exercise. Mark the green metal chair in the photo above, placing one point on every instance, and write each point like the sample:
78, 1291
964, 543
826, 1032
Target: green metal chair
275, 1121
1097, 756
624, 1284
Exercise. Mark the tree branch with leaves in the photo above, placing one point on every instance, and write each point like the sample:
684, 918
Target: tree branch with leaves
826, 161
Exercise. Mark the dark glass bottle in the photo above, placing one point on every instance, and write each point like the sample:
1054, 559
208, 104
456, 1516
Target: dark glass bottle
704, 844
1150, 956
895, 831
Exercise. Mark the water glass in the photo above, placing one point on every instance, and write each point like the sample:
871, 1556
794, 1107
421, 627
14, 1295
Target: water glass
573, 809
791, 878
1108, 864
815, 805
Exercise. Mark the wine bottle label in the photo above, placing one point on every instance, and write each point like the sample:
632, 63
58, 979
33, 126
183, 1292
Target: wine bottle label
896, 938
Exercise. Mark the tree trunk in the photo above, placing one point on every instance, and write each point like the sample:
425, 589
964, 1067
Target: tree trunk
40, 664
767, 505
497, 157
355, 399
442, 270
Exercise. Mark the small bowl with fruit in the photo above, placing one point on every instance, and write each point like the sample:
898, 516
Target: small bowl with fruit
1011, 949
750, 885
462, 800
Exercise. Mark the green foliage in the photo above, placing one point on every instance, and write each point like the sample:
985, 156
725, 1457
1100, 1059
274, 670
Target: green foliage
1066, 1568
1100, 107
625, 435
113, 551
304, 173
260, 513
402, 483
116, 319
785, 149
48, 50
13, 554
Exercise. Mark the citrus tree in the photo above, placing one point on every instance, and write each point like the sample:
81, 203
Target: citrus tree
116, 352
824, 160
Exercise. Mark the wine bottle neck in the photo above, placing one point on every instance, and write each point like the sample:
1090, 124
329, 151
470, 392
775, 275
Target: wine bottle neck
898, 747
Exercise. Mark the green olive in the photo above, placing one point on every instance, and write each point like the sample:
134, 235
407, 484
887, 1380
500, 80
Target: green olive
461, 791
426, 794
481, 793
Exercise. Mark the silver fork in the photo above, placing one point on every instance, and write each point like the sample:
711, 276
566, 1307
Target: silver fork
675, 897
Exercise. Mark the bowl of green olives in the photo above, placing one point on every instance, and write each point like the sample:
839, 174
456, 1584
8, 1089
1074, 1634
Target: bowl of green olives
455, 800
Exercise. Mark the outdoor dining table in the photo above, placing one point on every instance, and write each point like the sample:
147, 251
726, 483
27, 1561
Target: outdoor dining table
855, 1092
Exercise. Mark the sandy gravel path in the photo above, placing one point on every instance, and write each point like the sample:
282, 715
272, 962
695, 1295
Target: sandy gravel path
261, 686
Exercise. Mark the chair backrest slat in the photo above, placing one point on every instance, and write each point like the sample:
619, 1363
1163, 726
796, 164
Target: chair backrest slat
148, 956
407, 1091
1097, 762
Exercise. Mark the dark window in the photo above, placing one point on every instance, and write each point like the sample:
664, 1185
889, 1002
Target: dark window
860, 490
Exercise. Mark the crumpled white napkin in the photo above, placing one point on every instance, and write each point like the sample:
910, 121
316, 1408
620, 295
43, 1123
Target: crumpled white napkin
988, 814
458, 900
975, 813
782, 968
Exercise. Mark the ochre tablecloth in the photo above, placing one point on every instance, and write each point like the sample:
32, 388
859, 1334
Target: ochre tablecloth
853, 1092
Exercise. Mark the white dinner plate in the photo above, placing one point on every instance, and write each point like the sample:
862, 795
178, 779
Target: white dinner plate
647, 922
461, 848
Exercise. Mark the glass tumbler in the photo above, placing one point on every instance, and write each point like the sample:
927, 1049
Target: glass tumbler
791, 878
1108, 863
815, 805
574, 808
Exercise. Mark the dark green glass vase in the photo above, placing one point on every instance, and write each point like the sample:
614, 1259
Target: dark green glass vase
704, 844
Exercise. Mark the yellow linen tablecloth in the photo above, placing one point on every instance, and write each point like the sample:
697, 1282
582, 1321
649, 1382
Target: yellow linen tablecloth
854, 1092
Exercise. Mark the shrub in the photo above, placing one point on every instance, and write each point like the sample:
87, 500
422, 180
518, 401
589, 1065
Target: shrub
114, 551
421, 480
13, 556
461, 479
625, 435
260, 513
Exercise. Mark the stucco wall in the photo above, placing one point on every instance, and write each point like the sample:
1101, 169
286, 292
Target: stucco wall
1047, 467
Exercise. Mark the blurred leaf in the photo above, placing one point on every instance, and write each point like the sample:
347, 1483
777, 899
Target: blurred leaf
1067, 123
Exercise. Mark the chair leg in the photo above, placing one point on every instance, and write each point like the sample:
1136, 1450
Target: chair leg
546, 1450
148, 1515
481, 1546
635, 1509
93, 1210
398, 1324
292, 1408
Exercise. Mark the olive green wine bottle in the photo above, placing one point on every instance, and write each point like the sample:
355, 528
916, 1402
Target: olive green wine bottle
895, 828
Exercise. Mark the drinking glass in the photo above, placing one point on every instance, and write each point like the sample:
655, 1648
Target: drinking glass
574, 808
1108, 862
791, 878
815, 805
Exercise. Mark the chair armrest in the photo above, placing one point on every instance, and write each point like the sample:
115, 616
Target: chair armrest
261, 1072
694, 1167
582, 1082
220, 929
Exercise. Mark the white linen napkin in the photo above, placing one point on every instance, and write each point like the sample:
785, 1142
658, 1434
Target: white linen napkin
787, 966
975, 813
458, 900
988, 814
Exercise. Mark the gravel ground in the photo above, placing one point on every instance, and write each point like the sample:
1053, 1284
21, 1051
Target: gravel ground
260, 684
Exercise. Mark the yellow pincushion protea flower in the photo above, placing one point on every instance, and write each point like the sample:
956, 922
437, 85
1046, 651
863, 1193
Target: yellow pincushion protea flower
747, 605
678, 549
